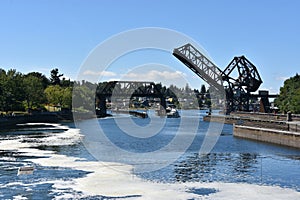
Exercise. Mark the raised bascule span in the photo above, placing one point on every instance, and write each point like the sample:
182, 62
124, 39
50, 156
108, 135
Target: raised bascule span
238, 89
200, 65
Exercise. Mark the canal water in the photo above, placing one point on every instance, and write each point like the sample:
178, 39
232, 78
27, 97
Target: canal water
65, 167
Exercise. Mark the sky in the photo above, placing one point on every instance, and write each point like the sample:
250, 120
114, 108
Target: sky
45, 34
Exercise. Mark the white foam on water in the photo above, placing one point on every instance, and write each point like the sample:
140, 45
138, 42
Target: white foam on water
68, 137
19, 197
117, 180
9, 159
13, 144
117, 185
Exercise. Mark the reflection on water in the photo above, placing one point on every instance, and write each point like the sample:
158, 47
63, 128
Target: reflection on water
222, 166
232, 168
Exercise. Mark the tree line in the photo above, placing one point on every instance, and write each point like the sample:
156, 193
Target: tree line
25, 92
21, 92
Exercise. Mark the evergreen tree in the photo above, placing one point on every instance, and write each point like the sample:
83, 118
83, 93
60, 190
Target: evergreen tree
55, 77
203, 89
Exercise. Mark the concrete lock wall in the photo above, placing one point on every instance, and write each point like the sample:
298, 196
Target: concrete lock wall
268, 116
287, 138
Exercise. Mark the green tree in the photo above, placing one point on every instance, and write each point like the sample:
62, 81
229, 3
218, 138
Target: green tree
2, 88
11, 88
59, 96
66, 82
45, 81
84, 96
33, 91
54, 95
289, 97
67, 97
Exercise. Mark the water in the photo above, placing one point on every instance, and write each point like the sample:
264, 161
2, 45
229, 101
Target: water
64, 169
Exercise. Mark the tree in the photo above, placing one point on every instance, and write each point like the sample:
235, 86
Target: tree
2, 88
203, 89
59, 96
84, 96
54, 95
34, 91
45, 81
12, 94
161, 89
187, 89
55, 77
289, 97
67, 97
66, 82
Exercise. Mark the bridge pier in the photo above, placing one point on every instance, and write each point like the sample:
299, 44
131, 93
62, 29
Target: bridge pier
162, 108
101, 111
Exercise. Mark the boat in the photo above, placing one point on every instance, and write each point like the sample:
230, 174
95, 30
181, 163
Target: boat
172, 112
25, 170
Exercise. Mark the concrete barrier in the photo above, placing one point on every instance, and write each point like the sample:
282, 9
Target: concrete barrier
222, 119
267, 116
255, 122
287, 138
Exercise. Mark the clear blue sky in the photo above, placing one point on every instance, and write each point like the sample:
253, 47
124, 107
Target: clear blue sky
41, 35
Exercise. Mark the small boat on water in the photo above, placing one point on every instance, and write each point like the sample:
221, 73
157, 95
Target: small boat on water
26, 170
139, 114
172, 112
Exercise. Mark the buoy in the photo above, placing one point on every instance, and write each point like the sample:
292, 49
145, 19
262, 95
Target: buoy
25, 170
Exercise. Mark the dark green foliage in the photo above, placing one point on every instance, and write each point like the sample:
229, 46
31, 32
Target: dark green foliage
11, 88
29, 91
45, 81
289, 98
55, 77
33, 89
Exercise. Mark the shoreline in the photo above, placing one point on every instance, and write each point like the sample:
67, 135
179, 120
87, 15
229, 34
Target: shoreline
7, 122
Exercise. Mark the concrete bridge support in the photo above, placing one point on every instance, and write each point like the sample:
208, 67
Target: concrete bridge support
101, 110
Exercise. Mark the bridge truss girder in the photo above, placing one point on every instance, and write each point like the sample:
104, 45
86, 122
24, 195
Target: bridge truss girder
200, 65
115, 90
129, 89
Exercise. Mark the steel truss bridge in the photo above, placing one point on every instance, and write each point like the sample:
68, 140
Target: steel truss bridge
115, 90
237, 81
238, 90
